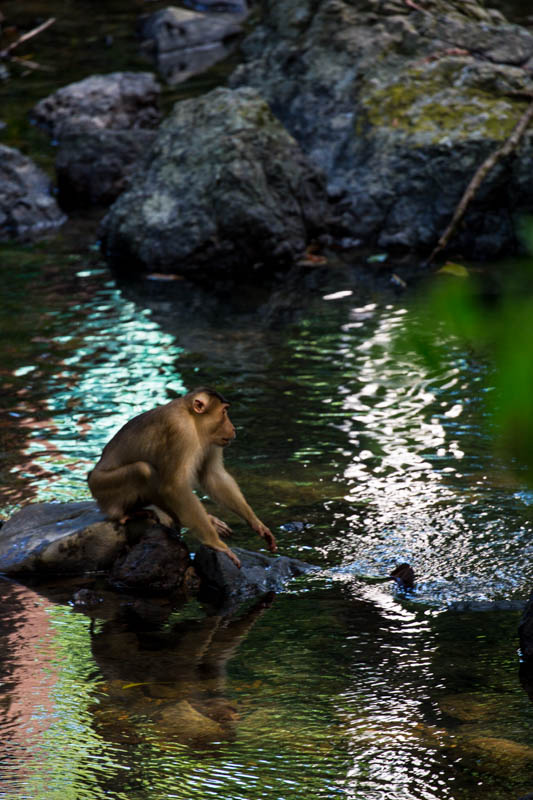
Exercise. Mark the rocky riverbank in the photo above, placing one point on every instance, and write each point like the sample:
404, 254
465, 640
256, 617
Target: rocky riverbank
359, 122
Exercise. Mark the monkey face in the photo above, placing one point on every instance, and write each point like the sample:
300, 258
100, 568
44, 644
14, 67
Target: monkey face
210, 410
224, 432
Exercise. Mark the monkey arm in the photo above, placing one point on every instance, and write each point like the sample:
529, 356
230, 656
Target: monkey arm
223, 489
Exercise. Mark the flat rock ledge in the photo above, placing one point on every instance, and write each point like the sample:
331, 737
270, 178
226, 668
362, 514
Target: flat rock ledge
46, 540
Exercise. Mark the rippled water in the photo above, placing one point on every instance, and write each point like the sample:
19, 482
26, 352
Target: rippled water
360, 458
350, 447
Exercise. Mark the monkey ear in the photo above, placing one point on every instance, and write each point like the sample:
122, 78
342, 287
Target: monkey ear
200, 403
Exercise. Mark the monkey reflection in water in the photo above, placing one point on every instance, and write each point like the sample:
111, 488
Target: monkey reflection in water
159, 457
171, 675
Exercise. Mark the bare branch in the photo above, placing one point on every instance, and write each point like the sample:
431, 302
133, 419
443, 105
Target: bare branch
481, 173
25, 37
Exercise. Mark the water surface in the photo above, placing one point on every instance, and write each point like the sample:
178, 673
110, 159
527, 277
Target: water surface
356, 453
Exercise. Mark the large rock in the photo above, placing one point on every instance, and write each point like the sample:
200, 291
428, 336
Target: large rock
399, 103
27, 208
224, 187
59, 538
103, 126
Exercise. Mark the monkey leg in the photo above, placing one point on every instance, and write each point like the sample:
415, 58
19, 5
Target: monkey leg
124, 489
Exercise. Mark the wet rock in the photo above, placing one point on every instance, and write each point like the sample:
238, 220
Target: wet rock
399, 107
404, 577
185, 43
116, 155
103, 126
27, 208
257, 575
238, 193
180, 29
59, 538
142, 557
159, 563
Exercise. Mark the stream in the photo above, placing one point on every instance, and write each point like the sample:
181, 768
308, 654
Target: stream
357, 455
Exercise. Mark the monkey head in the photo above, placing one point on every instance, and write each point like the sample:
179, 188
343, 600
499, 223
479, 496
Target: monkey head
210, 411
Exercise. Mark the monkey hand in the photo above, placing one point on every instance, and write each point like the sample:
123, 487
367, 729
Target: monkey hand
266, 534
220, 526
233, 557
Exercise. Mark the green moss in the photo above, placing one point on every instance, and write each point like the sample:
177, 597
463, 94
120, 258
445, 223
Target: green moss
431, 109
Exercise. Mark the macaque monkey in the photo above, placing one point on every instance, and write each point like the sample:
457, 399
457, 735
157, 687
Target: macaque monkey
160, 456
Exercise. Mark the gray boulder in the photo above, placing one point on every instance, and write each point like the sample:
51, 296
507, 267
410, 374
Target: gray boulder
27, 208
59, 538
257, 575
399, 103
103, 126
118, 101
224, 188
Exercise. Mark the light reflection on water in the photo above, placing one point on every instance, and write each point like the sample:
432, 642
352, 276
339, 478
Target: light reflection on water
114, 362
415, 463
342, 688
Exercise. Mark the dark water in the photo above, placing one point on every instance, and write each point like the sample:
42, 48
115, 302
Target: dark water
341, 688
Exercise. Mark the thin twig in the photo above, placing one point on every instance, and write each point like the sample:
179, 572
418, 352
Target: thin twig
25, 62
24, 38
481, 173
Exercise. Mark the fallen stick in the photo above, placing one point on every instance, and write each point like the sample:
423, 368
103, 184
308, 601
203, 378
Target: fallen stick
24, 38
482, 171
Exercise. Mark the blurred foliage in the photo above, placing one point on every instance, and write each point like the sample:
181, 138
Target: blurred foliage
493, 316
